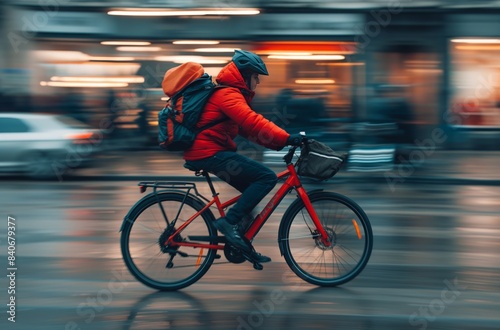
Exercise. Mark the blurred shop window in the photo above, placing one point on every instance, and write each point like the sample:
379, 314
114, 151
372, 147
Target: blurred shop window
335, 92
475, 82
391, 111
413, 74
467, 113
302, 111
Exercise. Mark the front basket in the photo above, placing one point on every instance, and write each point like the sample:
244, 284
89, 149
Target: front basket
319, 161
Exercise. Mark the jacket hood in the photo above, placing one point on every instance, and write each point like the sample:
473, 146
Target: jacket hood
231, 76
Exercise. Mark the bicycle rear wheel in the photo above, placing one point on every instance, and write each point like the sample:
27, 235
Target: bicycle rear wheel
349, 231
147, 228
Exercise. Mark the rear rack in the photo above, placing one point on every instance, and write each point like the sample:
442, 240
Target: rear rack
175, 185
168, 185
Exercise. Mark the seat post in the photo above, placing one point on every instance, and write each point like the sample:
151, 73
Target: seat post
209, 181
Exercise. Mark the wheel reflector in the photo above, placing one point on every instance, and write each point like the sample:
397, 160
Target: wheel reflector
355, 224
198, 261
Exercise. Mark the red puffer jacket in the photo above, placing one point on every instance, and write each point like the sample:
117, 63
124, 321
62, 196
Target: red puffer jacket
233, 103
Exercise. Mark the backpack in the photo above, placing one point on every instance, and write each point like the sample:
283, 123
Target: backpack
189, 89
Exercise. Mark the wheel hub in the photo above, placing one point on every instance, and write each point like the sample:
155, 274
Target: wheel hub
164, 237
332, 237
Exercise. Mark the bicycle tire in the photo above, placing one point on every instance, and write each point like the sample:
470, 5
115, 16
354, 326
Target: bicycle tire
146, 227
348, 228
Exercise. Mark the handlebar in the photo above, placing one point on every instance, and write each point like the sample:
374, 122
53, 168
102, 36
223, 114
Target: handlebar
289, 156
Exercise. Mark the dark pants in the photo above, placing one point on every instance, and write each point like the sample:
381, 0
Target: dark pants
251, 178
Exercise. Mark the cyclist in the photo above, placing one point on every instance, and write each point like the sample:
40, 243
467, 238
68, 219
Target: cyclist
214, 149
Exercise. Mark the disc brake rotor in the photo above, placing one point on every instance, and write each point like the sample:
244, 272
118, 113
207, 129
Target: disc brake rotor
332, 237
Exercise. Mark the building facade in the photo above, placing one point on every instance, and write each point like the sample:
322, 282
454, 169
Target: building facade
441, 61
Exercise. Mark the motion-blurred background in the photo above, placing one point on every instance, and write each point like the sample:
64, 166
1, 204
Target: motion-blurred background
355, 74
410, 88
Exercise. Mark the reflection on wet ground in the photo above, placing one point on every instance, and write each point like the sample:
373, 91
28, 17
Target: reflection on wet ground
434, 266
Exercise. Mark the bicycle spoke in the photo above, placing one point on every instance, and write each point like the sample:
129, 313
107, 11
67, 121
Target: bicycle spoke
146, 247
345, 227
350, 253
151, 262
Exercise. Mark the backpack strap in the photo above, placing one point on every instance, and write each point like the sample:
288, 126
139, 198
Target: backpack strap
204, 127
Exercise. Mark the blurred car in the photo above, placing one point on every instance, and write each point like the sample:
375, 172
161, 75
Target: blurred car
43, 145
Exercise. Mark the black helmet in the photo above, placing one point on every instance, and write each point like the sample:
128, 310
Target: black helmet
247, 62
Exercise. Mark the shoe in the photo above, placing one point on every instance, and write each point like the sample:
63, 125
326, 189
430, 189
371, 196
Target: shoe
252, 255
257, 257
232, 234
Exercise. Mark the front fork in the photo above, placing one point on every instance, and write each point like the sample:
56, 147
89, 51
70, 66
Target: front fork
293, 181
314, 216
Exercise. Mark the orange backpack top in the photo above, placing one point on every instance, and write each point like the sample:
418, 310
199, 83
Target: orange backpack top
189, 89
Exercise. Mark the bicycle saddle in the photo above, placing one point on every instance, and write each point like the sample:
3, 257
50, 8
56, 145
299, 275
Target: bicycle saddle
189, 167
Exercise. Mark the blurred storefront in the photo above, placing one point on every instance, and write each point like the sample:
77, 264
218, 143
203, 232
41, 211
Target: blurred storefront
329, 67
474, 80
404, 66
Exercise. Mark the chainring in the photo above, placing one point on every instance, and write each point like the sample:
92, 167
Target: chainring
233, 254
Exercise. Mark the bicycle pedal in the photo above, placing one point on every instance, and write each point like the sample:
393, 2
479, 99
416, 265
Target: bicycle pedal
217, 256
256, 265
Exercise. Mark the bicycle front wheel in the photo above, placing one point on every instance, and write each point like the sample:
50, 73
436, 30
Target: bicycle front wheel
147, 229
349, 231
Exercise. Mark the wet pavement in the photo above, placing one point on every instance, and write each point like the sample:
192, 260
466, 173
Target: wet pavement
435, 264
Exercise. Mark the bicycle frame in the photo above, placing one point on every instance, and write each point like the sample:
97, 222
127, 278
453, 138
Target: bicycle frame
292, 181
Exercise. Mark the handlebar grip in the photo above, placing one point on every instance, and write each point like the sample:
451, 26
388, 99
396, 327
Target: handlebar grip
304, 137
297, 139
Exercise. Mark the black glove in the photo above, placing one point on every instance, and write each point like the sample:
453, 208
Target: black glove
294, 140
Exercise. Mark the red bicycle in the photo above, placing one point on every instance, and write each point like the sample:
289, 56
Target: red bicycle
169, 242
